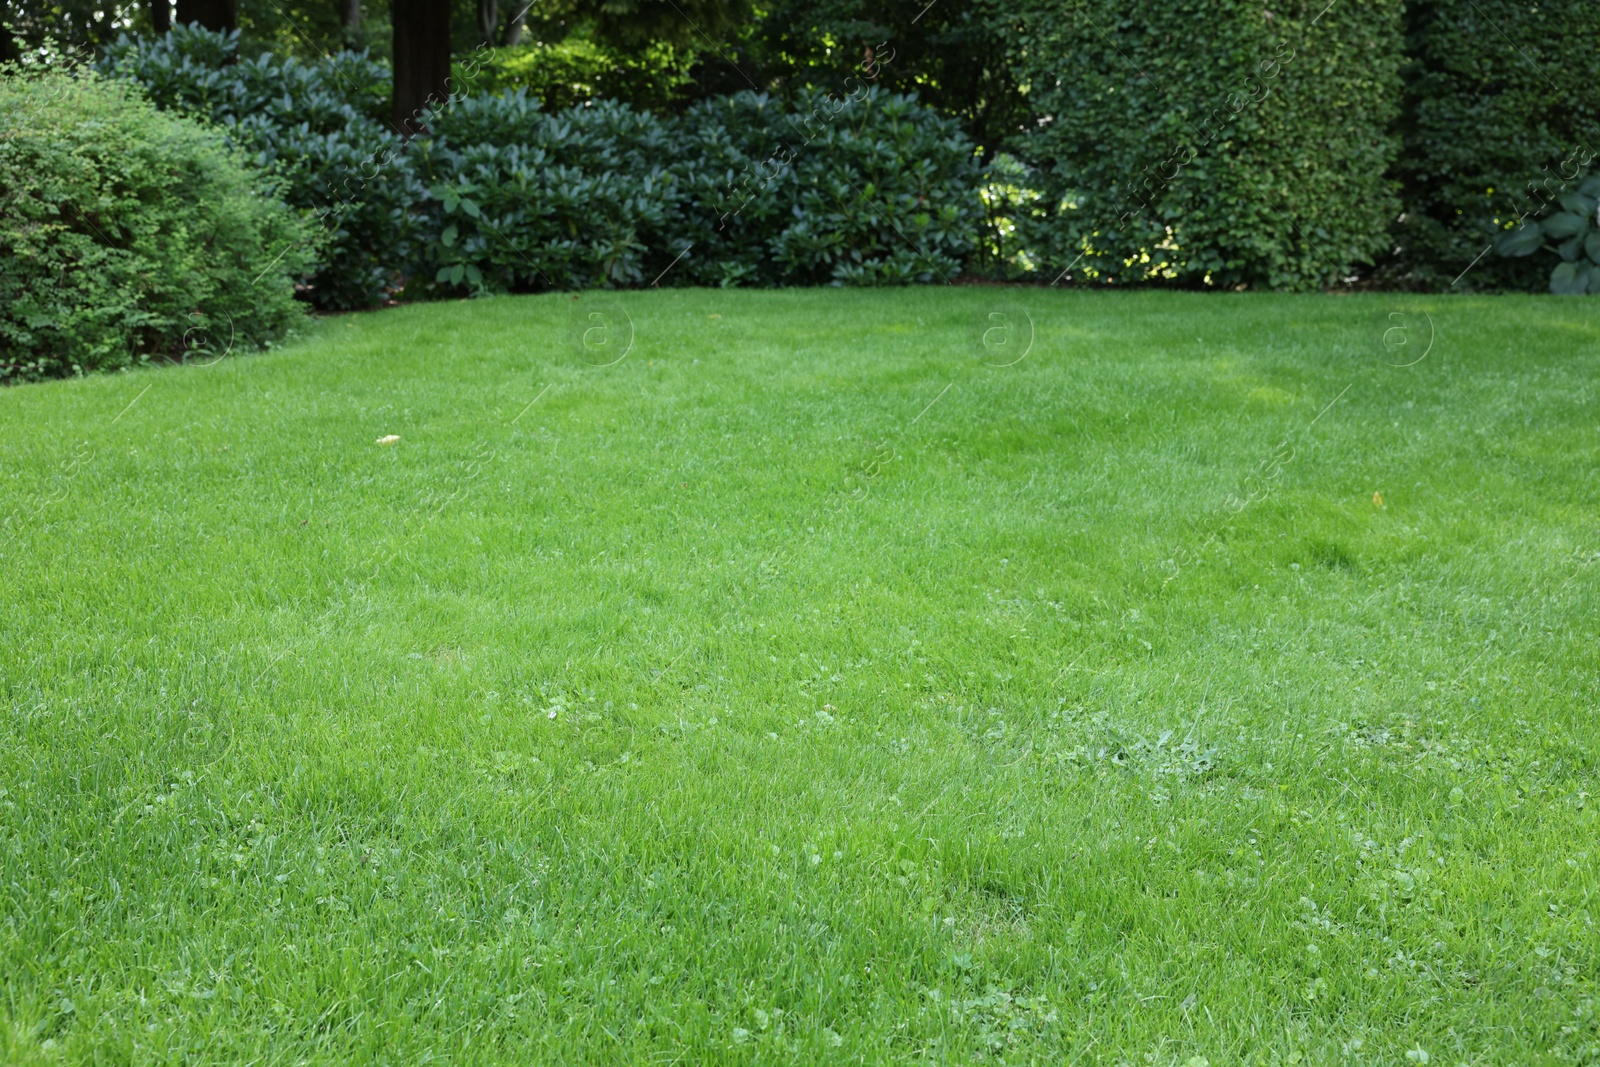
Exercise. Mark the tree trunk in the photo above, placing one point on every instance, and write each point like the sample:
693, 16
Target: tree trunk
216, 15
350, 16
489, 20
421, 61
513, 32
161, 15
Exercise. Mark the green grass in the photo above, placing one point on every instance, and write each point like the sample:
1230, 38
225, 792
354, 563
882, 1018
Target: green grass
805, 687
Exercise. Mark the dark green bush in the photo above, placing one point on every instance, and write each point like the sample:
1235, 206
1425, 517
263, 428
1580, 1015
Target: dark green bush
1501, 117
1211, 141
124, 230
859, 187
321, 125
520, 199
850, 190
856, 187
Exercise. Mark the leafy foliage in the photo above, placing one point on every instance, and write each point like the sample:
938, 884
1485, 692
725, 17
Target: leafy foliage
638, 25
1572, 231
868, 189
319, 124
1202, 142
522, 199
127, 233
952, 54
578, 69
862, 188
504, 195
1499, 123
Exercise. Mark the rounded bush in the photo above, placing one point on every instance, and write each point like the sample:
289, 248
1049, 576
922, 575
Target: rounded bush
862, 187
504, 194
320, 124
128, 233
523, 199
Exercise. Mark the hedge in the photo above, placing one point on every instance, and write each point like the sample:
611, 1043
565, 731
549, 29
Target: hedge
128, 235
1501, 118
1211, 142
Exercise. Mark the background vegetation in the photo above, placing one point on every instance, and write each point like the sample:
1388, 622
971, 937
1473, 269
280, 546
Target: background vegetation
1212, 143
319, 125
1501, 119
1174, 143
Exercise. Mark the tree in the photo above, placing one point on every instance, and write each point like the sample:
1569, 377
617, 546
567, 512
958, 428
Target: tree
488, 21
512, 35
350, 16
421, 60
67, 27
219, 15
951, 53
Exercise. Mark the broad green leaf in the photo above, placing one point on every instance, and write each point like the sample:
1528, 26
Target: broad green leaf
1570, 249
1591, 245
1578, 203
1522, 241
448, 237
1565, 224
1567, 280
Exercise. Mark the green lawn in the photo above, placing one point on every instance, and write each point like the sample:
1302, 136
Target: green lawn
810, 686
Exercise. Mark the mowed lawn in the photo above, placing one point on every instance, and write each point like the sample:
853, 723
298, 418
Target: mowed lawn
732, 677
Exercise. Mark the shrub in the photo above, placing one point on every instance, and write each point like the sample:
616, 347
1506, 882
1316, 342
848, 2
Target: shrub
320, 124
1499, 121
863, 188
869, 189
1571, 231
1211, 141
519, 199
1009, 201
506, 195
124, 229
